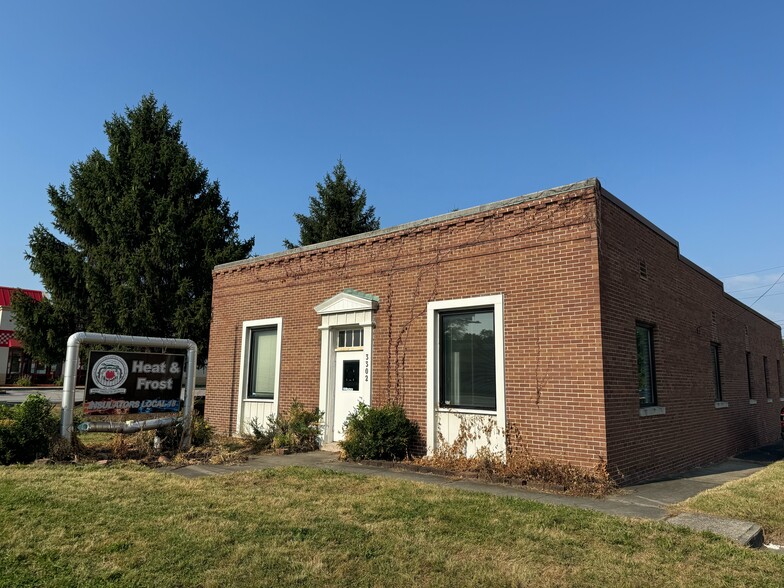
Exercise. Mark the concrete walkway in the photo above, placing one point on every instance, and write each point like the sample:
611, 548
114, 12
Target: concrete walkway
645, 501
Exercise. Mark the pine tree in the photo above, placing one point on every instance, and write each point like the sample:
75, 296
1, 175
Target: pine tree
142, 230
338, 211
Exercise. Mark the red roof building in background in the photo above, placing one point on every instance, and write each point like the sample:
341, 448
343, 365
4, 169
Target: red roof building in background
14, 362
6, 293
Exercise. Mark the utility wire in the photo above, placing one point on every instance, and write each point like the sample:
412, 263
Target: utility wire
768, 290
771, 296
754, 288
754, 272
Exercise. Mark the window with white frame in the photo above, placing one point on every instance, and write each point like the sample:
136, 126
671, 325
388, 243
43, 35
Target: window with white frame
262, 358
465, 350
467, 359
460, 360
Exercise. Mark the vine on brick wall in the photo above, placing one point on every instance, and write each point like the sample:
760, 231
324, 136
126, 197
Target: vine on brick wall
542, 217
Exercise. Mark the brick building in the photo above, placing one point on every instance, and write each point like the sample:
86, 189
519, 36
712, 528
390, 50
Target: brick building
561, 321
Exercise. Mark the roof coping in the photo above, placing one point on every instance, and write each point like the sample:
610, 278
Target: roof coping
589, 183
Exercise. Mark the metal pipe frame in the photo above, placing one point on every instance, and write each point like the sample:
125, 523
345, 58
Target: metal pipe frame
127, 427
76, 340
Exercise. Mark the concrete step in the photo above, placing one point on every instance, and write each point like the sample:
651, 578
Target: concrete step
742, 532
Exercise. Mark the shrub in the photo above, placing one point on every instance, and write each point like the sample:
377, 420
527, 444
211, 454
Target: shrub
170, 437
24, 381
296, 430
7, 438
378, 433
201, 434
259, 438
198, 405
27, 431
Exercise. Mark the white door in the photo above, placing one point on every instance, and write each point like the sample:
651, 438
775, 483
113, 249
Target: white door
350, 387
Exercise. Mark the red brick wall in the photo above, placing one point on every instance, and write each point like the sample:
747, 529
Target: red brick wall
678, 300
566, 363
541, 255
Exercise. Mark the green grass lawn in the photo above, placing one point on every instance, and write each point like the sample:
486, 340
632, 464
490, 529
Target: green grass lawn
129, 526
758, 498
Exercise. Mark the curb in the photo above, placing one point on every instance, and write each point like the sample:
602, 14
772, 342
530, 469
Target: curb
743, 533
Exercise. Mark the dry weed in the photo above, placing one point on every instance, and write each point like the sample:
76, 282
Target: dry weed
518, 463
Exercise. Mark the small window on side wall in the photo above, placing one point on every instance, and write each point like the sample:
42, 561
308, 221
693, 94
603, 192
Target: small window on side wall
262, 363
646, 378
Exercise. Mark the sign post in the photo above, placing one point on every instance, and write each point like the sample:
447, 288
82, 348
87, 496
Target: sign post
119, 382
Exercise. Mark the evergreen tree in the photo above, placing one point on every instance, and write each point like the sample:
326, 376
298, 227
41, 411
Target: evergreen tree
338, 211
142, 230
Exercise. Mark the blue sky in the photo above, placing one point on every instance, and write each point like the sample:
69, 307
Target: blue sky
678, 108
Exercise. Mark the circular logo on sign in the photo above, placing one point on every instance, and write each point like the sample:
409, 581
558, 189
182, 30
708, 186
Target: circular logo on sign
110, 371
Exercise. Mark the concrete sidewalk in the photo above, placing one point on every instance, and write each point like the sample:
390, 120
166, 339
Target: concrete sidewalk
645, 501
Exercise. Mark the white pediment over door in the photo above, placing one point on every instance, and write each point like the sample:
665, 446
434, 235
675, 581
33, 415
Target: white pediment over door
348, 301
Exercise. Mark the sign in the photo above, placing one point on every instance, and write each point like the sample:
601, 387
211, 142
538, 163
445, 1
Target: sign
121, 382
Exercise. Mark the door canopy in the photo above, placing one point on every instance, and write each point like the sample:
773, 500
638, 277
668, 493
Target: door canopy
348, 300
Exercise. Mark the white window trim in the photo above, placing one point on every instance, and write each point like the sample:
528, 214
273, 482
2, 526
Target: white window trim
433, 308
247, 327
